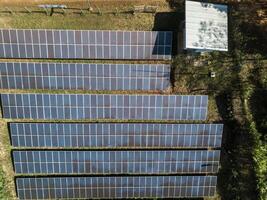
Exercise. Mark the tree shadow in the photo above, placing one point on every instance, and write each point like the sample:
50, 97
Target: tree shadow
168, 21
171, 21
258, 106
162, 44
255, 35
257, 100
236, 178
175, 4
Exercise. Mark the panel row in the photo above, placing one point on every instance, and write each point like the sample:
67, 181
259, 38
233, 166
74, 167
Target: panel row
76, 76
115, 162
116, 187
92, 106
19, 43
96, 37
114, 135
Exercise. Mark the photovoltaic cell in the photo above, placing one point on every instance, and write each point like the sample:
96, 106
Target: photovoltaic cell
114, 135
78, 76
115, 162
85, 44
116, 187
97, 106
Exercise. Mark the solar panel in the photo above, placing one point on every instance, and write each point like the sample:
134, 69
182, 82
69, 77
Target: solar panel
130, 135
98, 106
80, 76
116, 162
85, 44
116, 187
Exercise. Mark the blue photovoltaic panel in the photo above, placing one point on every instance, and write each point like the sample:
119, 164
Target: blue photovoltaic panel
114, 135
85, 44
116, 162
98, 106
78, 76
116, 187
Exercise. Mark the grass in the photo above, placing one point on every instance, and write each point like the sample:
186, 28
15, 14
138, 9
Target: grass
160, 21
7, 189
59, 21
3, 190
243, 164
122, 21
237, 175
108, 20
74, 21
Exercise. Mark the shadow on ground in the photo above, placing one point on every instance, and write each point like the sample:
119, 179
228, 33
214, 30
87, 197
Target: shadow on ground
168, 21
258, 106
236, 178
256, 38
171, 21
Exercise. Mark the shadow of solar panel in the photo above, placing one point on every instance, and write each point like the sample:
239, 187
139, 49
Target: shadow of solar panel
97, 106
116, 187
78, 76
85, 44
114, 135
116, 162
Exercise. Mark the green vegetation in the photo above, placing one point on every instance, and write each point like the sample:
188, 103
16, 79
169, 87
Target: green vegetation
2, 185
3, 191
7, 190
239, 89
256, 108
74, 21
237, 95
260, 158
253, 94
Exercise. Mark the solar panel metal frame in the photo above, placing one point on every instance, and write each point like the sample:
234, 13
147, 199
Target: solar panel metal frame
99, 106
113, 135
115, 187
84, 76
116, 162
85, 44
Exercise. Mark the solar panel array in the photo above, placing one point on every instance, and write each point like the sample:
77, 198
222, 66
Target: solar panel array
85, 44
67, 76
116, 187
112, 135
98, 106
115, 162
